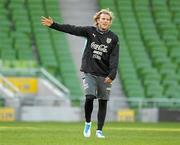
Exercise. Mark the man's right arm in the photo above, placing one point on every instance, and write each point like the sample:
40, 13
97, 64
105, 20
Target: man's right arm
71, 29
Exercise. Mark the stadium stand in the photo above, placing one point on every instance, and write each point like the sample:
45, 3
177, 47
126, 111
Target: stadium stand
149, 33
68, 70
25, 43
149, 41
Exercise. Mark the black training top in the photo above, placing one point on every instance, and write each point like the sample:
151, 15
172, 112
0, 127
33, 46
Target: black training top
102, 49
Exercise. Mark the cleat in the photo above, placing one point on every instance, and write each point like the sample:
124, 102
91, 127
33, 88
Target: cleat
99, 134
87, 129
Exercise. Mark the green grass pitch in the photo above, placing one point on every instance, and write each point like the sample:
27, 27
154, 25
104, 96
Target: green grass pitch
58, 133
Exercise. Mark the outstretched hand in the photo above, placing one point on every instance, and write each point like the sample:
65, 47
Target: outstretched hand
46, 21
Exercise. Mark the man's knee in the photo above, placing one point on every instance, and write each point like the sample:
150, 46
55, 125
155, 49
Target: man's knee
102, 102
90, 97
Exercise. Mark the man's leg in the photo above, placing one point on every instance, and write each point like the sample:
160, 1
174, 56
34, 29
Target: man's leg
90, 89
101, 117
103, 93
88, 107
101, 113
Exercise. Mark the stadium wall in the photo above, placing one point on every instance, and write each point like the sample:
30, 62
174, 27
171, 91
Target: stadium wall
39, 113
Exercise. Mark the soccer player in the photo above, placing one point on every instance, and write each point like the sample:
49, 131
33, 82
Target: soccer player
99, 63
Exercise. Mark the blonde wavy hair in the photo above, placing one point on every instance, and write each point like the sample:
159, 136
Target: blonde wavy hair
103, 11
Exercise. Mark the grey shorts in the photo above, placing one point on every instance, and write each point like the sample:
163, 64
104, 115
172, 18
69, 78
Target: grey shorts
94, 85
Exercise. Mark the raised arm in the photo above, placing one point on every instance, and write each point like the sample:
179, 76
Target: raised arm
71, 29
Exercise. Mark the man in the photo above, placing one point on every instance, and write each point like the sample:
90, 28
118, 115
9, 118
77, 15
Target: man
99, 63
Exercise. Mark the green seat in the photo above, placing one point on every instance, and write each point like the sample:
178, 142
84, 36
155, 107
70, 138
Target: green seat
8, 54
154, 90
175, 54
174, 5
159, 61
172, 92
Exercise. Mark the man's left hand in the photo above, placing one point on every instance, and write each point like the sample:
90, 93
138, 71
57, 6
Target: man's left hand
108, 80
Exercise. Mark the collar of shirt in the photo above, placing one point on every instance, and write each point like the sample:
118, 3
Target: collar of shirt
101, 32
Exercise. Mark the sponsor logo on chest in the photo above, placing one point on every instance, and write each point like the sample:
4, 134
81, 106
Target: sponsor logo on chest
98, 50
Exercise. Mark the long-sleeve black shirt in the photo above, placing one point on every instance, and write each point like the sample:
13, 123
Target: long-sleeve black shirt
101, 53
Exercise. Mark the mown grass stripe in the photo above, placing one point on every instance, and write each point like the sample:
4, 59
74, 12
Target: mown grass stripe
143, 129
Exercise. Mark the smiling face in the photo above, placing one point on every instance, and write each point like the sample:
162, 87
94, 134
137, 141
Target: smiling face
104, 21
